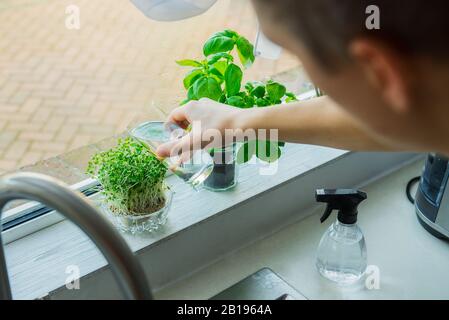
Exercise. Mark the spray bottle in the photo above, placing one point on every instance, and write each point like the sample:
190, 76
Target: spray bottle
341, 253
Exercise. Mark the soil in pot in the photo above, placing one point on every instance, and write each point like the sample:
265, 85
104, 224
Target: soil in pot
224, 173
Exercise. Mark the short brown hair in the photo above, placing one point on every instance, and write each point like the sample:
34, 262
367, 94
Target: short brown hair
415, 27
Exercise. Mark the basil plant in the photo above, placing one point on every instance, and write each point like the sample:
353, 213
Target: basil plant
219, 77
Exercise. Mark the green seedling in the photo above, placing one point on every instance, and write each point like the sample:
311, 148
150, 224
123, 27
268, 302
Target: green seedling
131, 176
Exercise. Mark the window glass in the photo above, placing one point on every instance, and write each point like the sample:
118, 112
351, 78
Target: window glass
62, 89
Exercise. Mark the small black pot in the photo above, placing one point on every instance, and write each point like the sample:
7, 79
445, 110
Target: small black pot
224, 173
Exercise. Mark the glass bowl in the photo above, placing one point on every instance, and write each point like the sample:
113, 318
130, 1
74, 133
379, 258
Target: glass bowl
141, 223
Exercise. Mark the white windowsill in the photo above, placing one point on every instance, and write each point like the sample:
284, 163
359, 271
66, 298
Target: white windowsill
202, 226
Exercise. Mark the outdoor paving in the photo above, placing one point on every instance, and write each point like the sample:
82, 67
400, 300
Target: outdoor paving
62, 89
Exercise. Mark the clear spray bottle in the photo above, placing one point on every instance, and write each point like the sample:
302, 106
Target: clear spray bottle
341, 255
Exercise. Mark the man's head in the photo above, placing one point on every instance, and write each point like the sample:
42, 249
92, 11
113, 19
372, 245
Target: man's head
392, 79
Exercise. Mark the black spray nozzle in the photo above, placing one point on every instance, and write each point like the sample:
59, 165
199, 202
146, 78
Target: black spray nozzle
346, 201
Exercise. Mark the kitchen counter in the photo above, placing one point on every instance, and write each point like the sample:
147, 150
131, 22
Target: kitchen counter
226, 222
412, 263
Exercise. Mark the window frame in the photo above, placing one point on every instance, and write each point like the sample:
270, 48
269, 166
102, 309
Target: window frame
33, 216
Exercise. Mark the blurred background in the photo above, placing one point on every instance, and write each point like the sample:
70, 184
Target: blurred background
62, 89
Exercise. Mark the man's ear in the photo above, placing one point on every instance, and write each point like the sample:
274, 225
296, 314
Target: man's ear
385, 70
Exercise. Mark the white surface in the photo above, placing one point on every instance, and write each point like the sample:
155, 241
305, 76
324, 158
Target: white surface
413, 264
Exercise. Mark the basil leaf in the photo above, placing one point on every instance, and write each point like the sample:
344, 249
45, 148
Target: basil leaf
221, 66
191, 94
267, 151
189, 63
218, 79
261, 102
233, 79
275, 91
228, 33
218, 43
249, 101
246, 152
258, 92
207, 87
191, 77
290, 97
249, 87
246, 51
221, 55
214, 71
236, 101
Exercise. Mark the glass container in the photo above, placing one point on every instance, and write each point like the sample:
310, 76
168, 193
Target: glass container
224, 174
143, 222
154, 133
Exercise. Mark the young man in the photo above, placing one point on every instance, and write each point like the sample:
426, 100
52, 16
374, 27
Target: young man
387, 88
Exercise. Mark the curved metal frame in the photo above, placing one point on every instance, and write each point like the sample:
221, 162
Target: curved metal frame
49, 191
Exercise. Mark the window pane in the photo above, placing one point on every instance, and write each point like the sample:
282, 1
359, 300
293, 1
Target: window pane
63, 89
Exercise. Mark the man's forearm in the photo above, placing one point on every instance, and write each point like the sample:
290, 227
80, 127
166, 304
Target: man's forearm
318, 121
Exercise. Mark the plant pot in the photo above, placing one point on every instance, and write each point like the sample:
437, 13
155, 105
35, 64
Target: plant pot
144, 222
224, 173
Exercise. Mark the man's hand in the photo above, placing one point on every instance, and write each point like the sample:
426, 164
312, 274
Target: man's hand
204, 115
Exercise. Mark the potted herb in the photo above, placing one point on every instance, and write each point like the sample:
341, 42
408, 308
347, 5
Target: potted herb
219, 77
133, 187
